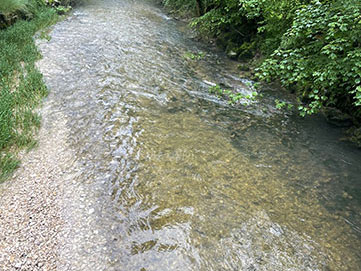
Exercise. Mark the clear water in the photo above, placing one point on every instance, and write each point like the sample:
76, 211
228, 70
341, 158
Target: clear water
189, 182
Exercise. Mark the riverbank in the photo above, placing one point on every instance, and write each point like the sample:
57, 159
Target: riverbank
31, 203
22, 87
310, 48
47, 216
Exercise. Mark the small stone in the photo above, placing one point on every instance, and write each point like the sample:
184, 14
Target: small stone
91, 211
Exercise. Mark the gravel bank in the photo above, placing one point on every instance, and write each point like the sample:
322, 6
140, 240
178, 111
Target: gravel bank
49, 215
30, 213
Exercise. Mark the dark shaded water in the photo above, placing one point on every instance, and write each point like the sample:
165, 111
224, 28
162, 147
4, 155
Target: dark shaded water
193, 183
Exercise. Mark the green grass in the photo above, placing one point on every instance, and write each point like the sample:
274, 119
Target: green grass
9, 6
21, 85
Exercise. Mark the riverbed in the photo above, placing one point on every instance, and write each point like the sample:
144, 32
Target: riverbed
175, 178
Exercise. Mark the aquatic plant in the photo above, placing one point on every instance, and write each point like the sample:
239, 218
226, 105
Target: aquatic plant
194, 56
233, 97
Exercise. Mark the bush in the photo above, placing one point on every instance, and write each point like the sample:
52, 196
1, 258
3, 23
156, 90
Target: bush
181, 7
312, 47
320, 56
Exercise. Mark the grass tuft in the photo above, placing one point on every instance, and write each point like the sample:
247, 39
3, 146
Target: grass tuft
21, 84
10, 6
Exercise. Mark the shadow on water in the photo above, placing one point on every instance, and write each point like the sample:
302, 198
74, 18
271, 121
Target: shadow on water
190, 182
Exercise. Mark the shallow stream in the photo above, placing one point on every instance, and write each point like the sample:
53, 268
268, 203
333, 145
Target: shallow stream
187, 181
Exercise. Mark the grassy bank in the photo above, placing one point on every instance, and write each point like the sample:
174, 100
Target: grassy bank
21, 86
312, 47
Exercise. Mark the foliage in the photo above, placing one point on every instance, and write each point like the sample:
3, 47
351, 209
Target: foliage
180, 6
194, 56
263, 21
12, 10
283, 105
313, 47
320, 56
231, 96
61, 6
10, 6
21, 86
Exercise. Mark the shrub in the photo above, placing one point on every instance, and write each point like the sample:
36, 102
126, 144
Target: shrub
320, 56
312, 47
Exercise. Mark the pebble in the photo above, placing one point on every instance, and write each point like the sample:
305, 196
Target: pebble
30, 211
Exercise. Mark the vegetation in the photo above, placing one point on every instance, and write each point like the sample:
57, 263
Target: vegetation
21, 84
192, 56
283, 105
13, 10
312, 47
231, 96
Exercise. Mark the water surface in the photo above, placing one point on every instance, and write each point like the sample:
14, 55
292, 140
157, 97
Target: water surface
187, 181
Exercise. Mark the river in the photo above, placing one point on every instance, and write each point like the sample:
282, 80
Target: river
184, 180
